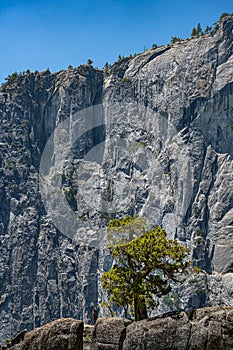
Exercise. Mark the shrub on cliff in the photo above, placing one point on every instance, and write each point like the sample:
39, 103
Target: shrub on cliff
223, 15
175, 39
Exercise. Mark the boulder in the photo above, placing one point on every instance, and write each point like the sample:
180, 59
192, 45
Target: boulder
62, 334
109, 333
203, 329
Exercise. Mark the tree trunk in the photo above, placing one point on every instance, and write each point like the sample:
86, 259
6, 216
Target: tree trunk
140, 310
136, 309
143, 309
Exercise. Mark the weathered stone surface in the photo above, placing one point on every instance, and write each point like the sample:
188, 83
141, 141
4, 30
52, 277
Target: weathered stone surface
63, 334
88, 337
109, 333
18, 338
208, 328
161, 334
43, 274
168, 156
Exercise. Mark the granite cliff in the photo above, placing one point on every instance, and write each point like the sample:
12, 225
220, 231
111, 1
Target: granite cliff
166, 154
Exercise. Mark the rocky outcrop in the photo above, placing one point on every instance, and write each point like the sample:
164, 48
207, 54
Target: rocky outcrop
63, 334
110, 333
207, 328
165, 152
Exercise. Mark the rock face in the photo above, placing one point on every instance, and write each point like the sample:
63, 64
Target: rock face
110, 333
207, 328
43, 274
166, 154
62, 334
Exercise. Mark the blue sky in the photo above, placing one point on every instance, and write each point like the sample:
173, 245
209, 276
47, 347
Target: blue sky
55, 33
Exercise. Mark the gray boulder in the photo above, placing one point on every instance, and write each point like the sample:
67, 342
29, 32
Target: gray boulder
62, 334
109, 333
207, 328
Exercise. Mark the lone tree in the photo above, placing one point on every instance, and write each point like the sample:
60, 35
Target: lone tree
194, 32
199, 29
106, 68
145, 262
89, 62
175, 39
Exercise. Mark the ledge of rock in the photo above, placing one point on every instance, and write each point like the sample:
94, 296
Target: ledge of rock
200, 329
203, 329
110, 333
62, 334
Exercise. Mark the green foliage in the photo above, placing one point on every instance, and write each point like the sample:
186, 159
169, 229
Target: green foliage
106, 68
172, 301
199, 29
145, 262
207, 30
109, 193
200, 232
120, 57
109, 307
9, 165
154, 46
196, 211
70, 196
194, 32
223, 15
193, 280
175, 39
126, 80
89, 62
9, 79
124, 230
25, 123
197, 270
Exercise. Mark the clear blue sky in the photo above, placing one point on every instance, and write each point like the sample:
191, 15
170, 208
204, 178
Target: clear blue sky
55, 33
